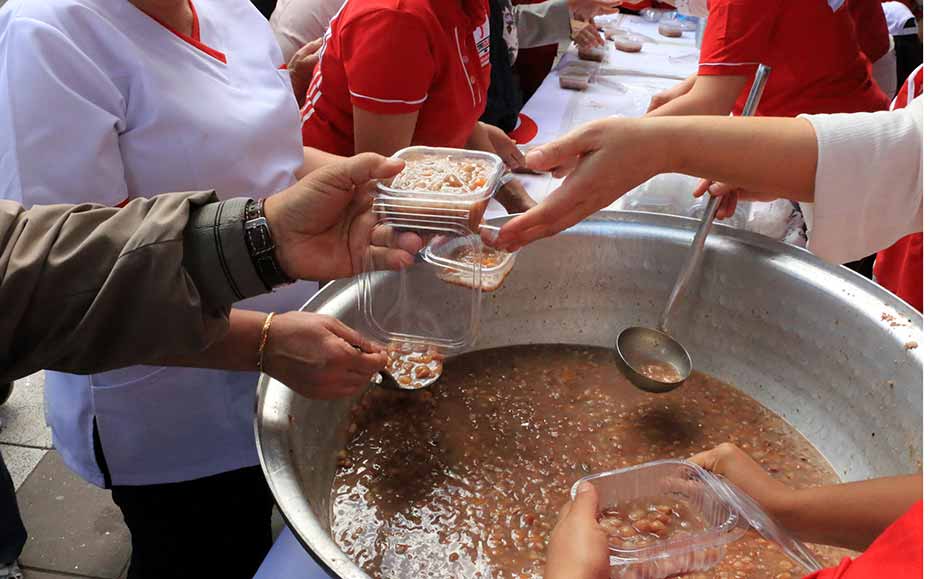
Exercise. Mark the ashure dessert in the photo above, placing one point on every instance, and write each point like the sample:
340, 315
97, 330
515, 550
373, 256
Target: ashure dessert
414, 366
642, 523
429, 173
495, 265
466, 480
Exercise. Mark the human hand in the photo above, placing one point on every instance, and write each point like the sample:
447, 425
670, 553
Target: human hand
592, 158
323, 227
738, 467
578, 546
514, 198
588, 36
729, 196
317, 356
505, 147
671, 94
301, 68
587, 9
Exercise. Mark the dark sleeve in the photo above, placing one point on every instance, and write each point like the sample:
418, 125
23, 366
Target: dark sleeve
86, 288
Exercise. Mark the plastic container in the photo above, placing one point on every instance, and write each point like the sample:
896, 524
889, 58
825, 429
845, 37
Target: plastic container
495, 264
688, 23
414, 305
651, 14
671, 29
724, 511
595, 54
579, 67
574, 80
434, 183
628, 43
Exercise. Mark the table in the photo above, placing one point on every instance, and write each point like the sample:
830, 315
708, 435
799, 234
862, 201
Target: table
627, 83
661, 64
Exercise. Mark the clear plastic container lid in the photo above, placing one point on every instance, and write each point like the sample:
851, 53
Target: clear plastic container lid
724, 514
414, 305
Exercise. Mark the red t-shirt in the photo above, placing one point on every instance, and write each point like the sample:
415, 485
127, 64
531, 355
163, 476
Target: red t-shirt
870, 27
641, 4
812, 48
398, 57
900, 268
898, 553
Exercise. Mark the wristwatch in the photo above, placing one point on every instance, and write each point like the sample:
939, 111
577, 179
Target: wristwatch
261, 247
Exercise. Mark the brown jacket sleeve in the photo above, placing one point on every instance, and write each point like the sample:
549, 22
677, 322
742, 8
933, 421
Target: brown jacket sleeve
87, 288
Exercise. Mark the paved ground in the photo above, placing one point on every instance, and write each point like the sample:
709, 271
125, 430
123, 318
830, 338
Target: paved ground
75, 531
74, 528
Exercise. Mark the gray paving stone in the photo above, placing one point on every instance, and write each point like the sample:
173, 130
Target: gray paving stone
21, 461
23, 418
73, 527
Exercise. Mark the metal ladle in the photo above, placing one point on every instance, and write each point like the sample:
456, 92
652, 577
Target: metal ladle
651, 359
384, 379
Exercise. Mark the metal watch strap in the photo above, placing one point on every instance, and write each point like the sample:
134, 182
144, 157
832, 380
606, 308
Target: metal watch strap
261, 247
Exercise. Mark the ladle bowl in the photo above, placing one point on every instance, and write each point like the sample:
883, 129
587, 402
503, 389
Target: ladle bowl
640, 348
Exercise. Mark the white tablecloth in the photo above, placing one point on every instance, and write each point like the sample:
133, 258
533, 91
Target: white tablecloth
662, 63
555, 111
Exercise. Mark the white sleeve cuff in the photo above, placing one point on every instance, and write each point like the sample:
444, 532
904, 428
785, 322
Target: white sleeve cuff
869, 182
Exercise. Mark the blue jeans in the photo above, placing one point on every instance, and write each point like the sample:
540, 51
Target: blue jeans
12, 531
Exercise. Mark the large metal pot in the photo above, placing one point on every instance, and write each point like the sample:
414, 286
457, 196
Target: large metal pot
829, 351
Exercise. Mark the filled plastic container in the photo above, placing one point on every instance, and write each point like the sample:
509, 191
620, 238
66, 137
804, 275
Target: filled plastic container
671, 28
595, 54
579, 67
495, 264
628, 43
574, 80
452, 184
722, 514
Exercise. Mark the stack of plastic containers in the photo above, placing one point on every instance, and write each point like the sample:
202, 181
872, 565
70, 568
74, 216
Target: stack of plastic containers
441, 196
724, 514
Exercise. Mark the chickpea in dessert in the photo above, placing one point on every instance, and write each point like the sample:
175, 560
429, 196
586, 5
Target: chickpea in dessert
414, 366
644, 522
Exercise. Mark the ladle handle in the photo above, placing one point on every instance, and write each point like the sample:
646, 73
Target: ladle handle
705, 226
696, 251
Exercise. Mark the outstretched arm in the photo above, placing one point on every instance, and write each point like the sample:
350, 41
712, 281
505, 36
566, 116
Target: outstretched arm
850, 515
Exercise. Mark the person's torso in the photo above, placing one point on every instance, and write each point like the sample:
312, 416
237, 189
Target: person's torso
898, 553
818, 66
871, 28
503, 98
900, 268
455, 100
297, 22
209, 114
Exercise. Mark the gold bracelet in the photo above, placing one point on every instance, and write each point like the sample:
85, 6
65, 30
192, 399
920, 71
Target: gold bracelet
265, 330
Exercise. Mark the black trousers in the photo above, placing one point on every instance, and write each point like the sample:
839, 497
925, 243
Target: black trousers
266, 7
12, 531
910, 54
217, 526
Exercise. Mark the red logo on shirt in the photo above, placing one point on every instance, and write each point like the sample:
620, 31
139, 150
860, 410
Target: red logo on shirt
481, 36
